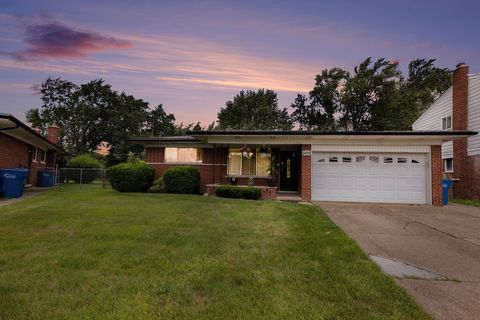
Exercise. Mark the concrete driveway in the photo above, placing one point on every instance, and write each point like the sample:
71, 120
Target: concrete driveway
441, 242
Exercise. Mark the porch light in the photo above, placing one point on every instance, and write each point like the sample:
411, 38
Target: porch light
246, 152
263, 152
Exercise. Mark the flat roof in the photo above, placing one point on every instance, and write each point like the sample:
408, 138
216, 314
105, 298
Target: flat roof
331, 133
163, 138
296, 137
11, 126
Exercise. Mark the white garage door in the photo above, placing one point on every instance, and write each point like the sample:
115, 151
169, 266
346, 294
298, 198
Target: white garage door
369, 177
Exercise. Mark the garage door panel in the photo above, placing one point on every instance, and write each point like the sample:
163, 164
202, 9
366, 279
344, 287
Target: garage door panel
387, 178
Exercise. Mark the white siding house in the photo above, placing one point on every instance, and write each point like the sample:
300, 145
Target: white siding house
474, 113
432, 118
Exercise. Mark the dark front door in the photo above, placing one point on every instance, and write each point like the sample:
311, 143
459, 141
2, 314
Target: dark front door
289, 161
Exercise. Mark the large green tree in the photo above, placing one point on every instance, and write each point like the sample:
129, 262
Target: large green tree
374, 97
252, 110
161, 123
92, 113
367, 93
318, 112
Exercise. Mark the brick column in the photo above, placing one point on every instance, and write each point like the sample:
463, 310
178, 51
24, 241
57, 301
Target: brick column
306, 175
461, 187
436, 166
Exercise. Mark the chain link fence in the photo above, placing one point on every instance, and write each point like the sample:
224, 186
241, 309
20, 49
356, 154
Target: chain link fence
81, 175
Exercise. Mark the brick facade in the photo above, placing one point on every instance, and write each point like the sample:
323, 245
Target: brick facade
212, 170
474, 169
461, 172
436, 167
306, 175
15, 154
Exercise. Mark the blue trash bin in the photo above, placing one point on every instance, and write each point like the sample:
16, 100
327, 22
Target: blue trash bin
12, 181
446, 184
46, 178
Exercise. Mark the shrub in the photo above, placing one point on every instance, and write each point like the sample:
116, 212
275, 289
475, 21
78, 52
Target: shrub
236, 192
131, 177
182, 179
251, 193
84, 161
228, 192
158, 186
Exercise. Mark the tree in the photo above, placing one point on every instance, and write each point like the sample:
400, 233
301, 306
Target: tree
57, 99
252, 110
426, 82
366, 96
160, 123
375, 97
324, 99
89, 114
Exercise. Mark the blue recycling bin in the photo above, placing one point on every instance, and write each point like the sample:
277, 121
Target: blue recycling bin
12, 181
46, 178
446, 184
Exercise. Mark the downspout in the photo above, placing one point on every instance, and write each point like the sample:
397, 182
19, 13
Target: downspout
214, 163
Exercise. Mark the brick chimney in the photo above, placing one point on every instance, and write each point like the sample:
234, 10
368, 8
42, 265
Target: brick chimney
460, 122
53, 133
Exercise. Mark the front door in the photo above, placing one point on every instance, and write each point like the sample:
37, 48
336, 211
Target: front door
289, 161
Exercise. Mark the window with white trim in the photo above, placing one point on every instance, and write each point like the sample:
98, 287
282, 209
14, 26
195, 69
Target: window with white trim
183, 155
44, 156
448, 165
252, 163
35, 154
447, 123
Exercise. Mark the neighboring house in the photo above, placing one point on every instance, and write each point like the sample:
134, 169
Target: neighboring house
388, 167
23, 147
458, 109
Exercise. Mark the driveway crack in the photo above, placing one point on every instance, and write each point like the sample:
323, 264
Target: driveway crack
436, 229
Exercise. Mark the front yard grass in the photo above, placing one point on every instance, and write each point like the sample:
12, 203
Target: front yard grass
83, 252
473, 203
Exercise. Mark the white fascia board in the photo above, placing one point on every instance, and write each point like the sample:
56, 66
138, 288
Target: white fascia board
332, 139
178, 144
371, 148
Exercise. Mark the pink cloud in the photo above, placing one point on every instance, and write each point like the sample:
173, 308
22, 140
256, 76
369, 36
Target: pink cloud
53, 40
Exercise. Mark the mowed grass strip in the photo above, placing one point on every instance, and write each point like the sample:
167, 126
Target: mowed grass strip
467, 202
83, 252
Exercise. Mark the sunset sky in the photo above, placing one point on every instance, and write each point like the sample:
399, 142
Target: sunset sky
194, 56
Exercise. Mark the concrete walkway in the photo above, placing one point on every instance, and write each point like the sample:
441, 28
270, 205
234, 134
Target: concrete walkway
26, 195
440, 245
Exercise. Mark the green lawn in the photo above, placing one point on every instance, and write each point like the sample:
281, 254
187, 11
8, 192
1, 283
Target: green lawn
474, 203
83, 252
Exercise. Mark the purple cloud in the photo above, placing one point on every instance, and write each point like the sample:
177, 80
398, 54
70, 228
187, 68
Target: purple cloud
53, 40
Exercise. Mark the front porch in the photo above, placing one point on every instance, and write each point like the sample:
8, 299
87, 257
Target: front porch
263, 166
276, 170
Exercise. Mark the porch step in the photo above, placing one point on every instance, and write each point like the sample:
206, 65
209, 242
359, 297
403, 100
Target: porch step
289, 196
